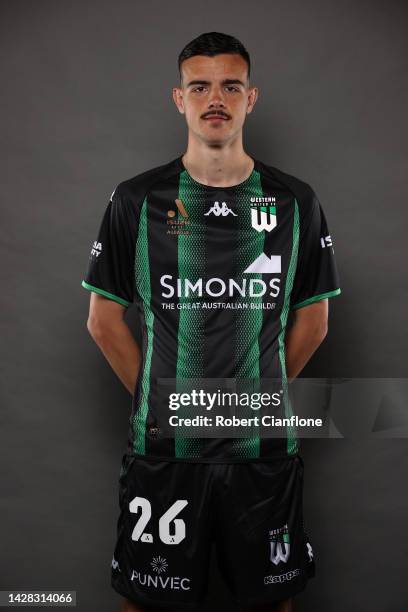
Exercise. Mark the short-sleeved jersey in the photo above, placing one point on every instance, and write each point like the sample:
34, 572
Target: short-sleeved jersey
213, 273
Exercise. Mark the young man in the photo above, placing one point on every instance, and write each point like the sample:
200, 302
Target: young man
215, 248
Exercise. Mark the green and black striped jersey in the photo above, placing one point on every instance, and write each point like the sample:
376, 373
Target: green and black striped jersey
213, 273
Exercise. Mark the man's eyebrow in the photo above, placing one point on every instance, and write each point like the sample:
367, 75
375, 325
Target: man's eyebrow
224, 82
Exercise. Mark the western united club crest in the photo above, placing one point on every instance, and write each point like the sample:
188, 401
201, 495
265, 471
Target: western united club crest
279, 543
263, 213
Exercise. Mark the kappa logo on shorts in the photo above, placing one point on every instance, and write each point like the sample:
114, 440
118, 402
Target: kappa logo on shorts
280, 546
115, 564
281, 577
309, 551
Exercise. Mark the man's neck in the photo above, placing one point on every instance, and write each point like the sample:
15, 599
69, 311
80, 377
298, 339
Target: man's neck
220, 167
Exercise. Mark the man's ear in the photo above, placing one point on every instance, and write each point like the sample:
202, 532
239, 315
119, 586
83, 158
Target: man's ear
252, 98
178, 99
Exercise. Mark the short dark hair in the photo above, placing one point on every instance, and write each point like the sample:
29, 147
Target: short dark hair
214, 43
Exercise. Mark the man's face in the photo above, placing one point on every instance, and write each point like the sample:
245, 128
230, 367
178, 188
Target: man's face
215, 96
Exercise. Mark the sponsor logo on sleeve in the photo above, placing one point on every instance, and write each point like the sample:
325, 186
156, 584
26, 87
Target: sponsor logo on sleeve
326, 241
96, 249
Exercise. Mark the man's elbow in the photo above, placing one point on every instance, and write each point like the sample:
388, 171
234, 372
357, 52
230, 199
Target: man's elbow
313, 319
320, 331
104, 317
97, 328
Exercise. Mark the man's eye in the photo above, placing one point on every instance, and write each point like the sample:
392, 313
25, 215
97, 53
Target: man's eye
200, 88
232, 88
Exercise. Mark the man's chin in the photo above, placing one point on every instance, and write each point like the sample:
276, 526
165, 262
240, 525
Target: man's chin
215, 142
216, 136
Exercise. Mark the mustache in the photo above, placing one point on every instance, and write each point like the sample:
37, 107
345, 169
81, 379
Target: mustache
216, 114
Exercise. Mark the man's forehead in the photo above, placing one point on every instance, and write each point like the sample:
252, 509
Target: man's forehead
218, 67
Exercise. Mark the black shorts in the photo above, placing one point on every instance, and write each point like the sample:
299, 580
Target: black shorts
172, 511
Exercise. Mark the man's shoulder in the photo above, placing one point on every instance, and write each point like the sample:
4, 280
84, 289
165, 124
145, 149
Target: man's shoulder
136, 187
302, 191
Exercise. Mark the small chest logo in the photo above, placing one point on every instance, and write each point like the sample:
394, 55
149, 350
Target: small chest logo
218, 210
178, 225
263, 213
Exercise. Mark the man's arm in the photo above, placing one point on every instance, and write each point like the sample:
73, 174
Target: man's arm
307, 332
111, 333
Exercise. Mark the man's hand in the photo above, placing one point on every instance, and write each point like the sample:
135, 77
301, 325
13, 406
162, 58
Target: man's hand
306, 334
111, 333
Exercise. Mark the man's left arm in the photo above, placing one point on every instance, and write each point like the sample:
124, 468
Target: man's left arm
316, 280
308, 331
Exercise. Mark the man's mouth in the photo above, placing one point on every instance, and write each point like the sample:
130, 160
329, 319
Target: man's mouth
216, 117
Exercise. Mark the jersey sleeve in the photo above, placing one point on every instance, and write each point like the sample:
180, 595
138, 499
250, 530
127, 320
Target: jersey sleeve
316, 275
110, 269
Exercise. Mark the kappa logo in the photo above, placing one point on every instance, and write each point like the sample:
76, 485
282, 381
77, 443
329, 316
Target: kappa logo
280, 546
309, 551
218, 210
263, 213
115, 565
282, 577
265, 265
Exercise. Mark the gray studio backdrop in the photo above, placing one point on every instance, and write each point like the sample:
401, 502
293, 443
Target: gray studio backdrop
86, 104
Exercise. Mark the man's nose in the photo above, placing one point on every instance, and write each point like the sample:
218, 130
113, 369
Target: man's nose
216, 99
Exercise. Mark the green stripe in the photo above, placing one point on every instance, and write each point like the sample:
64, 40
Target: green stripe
191, 264
115, 298
291, 439
272, 209
142, 280
250, 245
316, 298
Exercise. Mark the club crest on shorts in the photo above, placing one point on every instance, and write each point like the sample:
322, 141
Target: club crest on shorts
263, 213
279, 545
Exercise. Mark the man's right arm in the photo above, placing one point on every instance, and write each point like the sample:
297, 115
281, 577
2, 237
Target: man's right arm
108, 328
